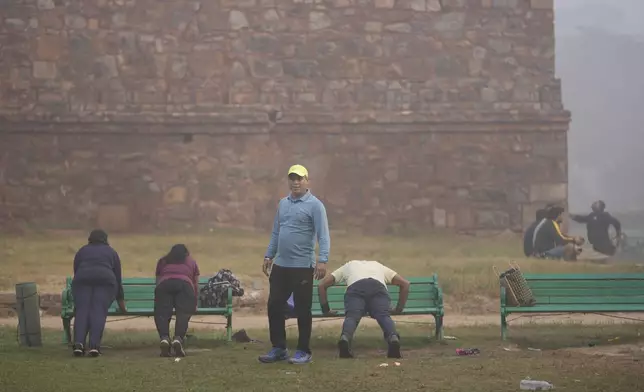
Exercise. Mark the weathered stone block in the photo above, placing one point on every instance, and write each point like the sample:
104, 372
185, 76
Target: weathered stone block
271, 15
384, 3
238, 71
301, 68
548, 192
416, 5
175, 195
434, 6
206, 64
492, 219
373, 27
264, 43
106, 67
260, 68
237, 20
501, 46
178, 66
505, 3
49, 47
49, 97
489, 94
550, 149
238, 3
45, 70
319, 20
421, 202
399, 27
542, 4
75, 22
450, 22
440, 218
451, 3
113, 217
16, 23
46, 4
464, 218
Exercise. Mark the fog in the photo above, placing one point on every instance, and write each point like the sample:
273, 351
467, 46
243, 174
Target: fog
600, 59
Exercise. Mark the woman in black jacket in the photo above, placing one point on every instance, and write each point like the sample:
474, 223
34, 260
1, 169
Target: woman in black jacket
97, 282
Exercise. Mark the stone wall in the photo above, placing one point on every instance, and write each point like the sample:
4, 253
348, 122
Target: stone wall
140, 114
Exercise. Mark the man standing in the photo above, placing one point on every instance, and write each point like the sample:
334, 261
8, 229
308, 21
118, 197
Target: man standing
300, 219
597, 224
366, 293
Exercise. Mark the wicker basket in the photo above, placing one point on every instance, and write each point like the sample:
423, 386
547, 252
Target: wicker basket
517, 291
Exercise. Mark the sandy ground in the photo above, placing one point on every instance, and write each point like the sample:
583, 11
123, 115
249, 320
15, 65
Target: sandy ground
254, 321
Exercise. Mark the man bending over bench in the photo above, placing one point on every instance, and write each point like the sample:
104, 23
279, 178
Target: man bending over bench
366, 293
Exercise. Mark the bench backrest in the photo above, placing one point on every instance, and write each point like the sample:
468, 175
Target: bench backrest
139, 292
424, 293
586, 289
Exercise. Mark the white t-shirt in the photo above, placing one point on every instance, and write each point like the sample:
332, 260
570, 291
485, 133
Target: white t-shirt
356, 270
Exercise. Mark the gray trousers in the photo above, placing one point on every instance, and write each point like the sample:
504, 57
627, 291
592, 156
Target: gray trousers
367, 296
92, 303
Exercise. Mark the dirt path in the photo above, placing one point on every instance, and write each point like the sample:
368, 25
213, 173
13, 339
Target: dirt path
252, 321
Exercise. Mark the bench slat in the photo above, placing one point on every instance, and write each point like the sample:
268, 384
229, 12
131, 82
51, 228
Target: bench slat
585, 284
569, 277
150, 312
339, 296
152, 281
414, 287
409, 312
577, 308
591, 300
600, 291
409, 305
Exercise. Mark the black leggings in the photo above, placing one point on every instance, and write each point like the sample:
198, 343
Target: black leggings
177, 295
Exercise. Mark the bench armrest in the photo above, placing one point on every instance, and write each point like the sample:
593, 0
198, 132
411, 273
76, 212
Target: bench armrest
439, 294
440, 298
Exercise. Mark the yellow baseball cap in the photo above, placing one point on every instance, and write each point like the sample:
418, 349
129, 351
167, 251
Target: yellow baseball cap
299, 170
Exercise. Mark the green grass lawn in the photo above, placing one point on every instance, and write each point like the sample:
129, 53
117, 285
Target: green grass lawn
131, 363
463, 263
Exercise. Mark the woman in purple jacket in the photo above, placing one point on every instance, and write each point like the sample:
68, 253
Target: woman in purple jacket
177, 286
96, 283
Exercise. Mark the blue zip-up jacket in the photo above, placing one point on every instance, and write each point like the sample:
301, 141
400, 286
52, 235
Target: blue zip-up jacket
99, 264
297, 224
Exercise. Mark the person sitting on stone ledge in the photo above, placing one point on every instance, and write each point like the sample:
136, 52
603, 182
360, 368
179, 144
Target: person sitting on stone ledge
551, 243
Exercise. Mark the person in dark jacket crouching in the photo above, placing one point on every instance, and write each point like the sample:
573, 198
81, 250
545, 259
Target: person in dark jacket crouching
177, 277
97, 282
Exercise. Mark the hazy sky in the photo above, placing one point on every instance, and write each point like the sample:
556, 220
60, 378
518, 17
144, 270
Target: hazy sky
619, 16
602, 83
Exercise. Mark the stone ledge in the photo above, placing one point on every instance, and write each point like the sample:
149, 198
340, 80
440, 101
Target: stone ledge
258, 123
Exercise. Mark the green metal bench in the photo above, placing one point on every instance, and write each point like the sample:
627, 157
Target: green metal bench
579, 293
425, 298
139, 299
